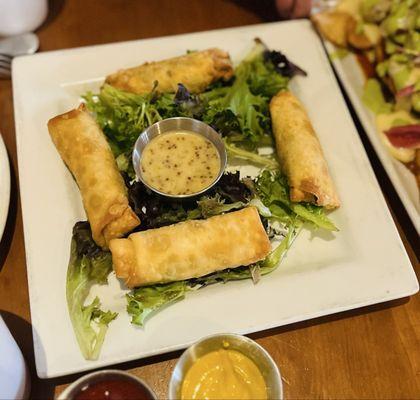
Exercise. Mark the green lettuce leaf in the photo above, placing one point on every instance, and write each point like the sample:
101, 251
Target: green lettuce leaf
259, 70
374, 99
251, 156
311, 213
240, 111
88, 265
272, 261
273, 189
144, 301
215, 205
123, 115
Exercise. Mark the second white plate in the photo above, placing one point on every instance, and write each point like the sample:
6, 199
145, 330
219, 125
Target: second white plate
353, 80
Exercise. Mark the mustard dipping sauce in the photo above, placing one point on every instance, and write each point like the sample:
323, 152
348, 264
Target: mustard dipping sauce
180, 162
224, 374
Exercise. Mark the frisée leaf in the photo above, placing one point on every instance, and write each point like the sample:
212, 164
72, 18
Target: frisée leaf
273, 189
88, 265
123, 115
145, 301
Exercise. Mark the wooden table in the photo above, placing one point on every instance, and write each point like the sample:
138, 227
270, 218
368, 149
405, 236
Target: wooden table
372, 352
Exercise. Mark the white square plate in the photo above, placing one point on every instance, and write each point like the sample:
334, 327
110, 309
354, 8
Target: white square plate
364, 263
353, 79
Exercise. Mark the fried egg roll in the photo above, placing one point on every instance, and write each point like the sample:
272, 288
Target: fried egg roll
190, 249
195, 71
86, 152
300, 153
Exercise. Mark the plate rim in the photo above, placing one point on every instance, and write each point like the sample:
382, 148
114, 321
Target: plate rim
246, 332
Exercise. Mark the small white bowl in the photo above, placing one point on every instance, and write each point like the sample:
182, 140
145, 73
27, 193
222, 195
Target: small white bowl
248, 347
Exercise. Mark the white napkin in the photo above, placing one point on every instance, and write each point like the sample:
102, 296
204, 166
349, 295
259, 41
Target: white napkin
14, 377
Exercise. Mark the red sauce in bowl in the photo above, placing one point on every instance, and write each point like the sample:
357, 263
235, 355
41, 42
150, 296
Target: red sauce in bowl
114, 389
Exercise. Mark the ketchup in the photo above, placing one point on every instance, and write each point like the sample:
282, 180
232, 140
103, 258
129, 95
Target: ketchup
114, 389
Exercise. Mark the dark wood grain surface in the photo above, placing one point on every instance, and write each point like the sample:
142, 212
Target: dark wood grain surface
370, 353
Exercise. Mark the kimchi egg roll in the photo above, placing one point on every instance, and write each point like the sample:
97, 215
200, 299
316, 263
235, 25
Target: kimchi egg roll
190, 249
300, 153
195, 71
86, 152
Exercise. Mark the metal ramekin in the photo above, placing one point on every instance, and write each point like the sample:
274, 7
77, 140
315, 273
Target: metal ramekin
173, 124
240, 343
107, 374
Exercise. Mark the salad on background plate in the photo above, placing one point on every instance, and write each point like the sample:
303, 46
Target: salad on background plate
384, 36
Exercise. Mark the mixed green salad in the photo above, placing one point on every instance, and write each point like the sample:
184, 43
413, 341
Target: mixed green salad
393, 89
238, 110
385, 37
397, 65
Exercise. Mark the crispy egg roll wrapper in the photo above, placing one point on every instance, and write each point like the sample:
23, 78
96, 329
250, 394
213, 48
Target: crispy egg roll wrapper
195, 71
190, 249
86, 152
300, 153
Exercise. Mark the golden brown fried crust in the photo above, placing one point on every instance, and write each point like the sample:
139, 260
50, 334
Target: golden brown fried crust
85, 151
300, 153
196, 71
190, 249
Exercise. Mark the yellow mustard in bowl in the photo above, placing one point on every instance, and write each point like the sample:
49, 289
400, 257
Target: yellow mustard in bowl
224, 374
